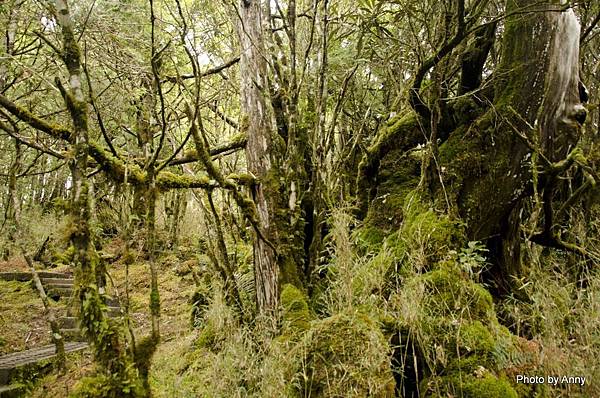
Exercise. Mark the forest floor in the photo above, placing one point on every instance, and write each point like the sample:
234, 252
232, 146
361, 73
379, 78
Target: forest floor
23, 325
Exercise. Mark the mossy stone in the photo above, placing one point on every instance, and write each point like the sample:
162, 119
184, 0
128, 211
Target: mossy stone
346, 355
451, 292
488, 387
474, 337
480, 384
296, 315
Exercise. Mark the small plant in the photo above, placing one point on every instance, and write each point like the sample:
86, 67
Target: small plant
472, 260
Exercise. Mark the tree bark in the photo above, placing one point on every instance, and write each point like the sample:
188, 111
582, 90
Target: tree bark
257, 122
490, 141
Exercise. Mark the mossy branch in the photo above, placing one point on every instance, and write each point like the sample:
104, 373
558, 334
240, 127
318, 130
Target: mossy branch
246, 204
238, 142
400, 133
37, 123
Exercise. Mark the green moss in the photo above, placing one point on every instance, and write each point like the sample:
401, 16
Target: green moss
465, 109
480, 383
63, 258
243, 179
296, 315
144, 350
370, 237
209, 338
115, 167
488, 387
427, 234
474, 337
387, 137
451, 292
394, 140
167, 180
154, 302
346, 355
108, 386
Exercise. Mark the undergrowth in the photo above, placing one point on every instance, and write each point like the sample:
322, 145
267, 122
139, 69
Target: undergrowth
403, 314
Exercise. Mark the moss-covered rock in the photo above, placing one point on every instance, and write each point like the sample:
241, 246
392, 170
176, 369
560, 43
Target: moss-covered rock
103, 385
346, 355
296, 315
461, 344
450, 292
482, 384
476, 338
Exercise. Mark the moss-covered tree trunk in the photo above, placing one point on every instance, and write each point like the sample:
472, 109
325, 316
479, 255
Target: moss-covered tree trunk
108, 350
500, 146
11, 211
534, 114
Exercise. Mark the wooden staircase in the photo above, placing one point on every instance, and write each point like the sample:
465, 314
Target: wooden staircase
59, 287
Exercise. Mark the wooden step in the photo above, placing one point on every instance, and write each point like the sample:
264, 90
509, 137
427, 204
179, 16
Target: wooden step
59, 292
16, 390
112, 312
11, 364
71, 334
60, 281
58, 286
26, 276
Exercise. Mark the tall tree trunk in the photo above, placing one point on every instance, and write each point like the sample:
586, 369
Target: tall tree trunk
11, 210
109, 353
520, 141
261, 158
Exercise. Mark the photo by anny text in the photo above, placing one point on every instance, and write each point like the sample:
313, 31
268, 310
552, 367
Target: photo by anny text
551, 380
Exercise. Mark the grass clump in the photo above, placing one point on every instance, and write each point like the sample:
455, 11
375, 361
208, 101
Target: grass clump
425, 237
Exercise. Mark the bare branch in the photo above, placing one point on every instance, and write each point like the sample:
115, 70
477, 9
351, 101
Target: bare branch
208, 72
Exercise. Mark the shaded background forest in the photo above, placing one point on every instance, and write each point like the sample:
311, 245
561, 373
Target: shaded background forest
304, 198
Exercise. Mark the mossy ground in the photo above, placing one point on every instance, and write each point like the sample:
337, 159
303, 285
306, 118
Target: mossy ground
22, 323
